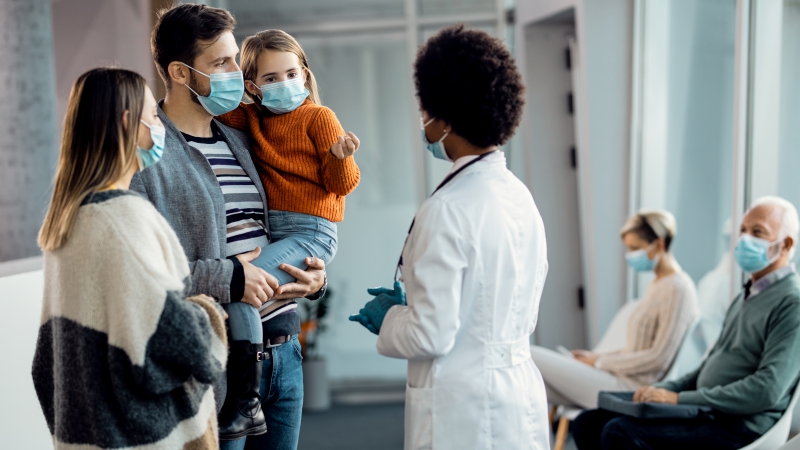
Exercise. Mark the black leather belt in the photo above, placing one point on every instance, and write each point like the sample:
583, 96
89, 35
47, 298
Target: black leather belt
277, 341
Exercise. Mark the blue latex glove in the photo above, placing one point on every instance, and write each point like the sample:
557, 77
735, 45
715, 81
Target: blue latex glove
372, 314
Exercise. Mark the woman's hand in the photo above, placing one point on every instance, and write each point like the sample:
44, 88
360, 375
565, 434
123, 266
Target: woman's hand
585, 357
346, 146
308, 281
650, 394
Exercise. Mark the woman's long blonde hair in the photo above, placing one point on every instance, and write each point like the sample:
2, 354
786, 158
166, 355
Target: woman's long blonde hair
281, 41
97, 148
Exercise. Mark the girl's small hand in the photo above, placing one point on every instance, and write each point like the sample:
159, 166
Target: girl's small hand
346, 146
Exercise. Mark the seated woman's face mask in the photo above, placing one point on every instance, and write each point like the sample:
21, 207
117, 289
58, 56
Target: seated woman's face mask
639, 261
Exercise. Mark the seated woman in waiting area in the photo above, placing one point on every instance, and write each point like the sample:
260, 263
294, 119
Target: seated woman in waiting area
656, 327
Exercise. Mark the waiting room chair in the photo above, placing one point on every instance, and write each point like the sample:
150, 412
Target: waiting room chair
776, 437
793, 444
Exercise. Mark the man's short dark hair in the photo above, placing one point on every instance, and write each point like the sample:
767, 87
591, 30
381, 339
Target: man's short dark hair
469, 80
179, 31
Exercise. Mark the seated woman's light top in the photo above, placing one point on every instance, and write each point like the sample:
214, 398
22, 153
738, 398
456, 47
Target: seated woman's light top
656, 327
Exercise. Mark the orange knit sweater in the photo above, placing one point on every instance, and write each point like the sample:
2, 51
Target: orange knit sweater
291, 153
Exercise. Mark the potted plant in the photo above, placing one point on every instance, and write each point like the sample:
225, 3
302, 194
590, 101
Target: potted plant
316, 390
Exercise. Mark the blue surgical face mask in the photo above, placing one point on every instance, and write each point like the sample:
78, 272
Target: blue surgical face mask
639, 261
284, 96
752, 253
436, 148
149, 158
226, 93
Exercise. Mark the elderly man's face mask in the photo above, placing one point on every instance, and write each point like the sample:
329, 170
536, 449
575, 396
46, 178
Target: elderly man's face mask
755, 251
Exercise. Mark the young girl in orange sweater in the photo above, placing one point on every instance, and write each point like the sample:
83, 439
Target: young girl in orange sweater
305, 162
303, 157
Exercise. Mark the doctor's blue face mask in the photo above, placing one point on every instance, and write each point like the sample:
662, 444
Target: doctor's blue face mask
227, 90
436, 148
639, 261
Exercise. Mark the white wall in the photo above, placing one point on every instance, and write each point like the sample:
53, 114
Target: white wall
93, 33
22, 424
548, 135
604, 31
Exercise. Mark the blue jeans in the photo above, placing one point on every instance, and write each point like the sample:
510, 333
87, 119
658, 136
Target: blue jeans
281, 400
244, 322
295, 237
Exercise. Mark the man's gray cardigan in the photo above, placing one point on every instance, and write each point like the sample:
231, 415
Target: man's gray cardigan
185, 190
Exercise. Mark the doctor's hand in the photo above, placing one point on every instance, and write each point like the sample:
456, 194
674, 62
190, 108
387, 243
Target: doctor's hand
372, 314
650, 394
346, 146
364, 321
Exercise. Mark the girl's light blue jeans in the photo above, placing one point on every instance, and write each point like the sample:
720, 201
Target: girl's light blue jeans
294, 237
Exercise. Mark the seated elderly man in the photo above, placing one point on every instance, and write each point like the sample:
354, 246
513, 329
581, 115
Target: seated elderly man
751, 372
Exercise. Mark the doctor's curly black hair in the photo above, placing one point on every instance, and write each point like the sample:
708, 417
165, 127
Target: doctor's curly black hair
469, 80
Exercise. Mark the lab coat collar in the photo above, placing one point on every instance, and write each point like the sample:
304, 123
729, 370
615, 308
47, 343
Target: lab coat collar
461, 162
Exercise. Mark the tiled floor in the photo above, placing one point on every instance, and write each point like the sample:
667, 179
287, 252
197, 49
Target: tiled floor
369, 427
372, 427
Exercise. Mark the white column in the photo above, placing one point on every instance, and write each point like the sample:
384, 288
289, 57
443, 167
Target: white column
766, 98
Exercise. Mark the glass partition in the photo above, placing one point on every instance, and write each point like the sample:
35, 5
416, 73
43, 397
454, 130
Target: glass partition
361, 52
367, 82
775, 129
685, 153
261, 15
439, 7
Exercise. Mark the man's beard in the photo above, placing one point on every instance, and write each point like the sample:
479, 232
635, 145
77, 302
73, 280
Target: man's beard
195, 88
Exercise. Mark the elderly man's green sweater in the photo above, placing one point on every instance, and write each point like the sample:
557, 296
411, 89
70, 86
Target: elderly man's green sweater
754, 366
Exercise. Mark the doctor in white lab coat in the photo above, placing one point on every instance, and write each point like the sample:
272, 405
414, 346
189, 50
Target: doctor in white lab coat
473, 266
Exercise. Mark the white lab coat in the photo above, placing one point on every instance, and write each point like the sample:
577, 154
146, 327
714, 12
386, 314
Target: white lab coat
473, 267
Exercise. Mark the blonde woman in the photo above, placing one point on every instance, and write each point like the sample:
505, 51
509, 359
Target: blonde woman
124, 359
655, 330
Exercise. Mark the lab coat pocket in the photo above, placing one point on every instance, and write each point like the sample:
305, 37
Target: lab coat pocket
419, 418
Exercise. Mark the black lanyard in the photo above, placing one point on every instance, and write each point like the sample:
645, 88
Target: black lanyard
441, 185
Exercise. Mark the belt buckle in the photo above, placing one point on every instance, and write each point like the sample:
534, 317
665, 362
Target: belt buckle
268, 342
262, 356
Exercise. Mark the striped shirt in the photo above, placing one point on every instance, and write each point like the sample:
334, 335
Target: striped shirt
243, 206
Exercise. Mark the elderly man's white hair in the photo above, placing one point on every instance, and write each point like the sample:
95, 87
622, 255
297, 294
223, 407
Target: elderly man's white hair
790, 223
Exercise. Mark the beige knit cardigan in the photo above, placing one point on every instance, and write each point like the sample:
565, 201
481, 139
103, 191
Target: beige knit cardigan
656, 329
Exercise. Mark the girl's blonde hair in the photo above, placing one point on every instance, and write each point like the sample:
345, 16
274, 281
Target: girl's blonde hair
281, 41
97, 148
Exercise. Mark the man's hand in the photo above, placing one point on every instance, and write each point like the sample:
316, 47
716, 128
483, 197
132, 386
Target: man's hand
308, 281
650, 394
259, 286
346, 146
585, 357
